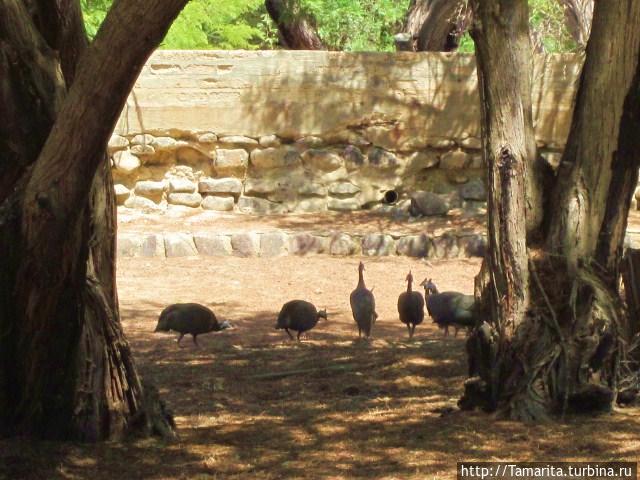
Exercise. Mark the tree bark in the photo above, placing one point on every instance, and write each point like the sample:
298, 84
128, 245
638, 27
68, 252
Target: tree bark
505, 146
585, 171
578, 15
296, 30
436, 25
565, 350
67, 369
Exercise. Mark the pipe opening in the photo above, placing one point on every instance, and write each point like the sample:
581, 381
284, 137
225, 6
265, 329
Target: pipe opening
390, 197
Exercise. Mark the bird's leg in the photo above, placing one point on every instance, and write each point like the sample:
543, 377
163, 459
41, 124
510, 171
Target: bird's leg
409, 330
195, 341
455, 334
413, 330
288, 333
299, 335
179, 338
359, 332
446, 331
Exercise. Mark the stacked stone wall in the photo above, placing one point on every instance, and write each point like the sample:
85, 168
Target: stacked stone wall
278, 132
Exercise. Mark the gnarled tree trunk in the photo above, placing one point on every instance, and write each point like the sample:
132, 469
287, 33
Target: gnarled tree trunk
578, 15
66, 370
436, 25
296, 30
564, 350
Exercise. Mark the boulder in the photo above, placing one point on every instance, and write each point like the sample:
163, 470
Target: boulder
165, 143
381, 158
140, 245
473, 245
273, 244
143, 150
235, 160
122, 193
186, 199
474, 190
149, 189
343, 189
313, 189
207, 138
238, 140
269, 141
221, 204
273, 157
229, 185
181, 185
213, 245
116, 143
342, 244
179, 245
428, 203
141, 203
378, 244
125, 161
414, 246
343, 204
471, 143
305, 243
318, 159
260, 186
245, 244
446, 246
455, 160
259, 205
441, 143
311, 205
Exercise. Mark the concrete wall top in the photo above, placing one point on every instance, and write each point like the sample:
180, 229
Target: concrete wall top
409, 99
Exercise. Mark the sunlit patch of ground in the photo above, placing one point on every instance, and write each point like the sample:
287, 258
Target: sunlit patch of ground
249, 403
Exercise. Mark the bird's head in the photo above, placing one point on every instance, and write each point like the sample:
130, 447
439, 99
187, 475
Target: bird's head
226, 324
361, 267
429, 286
322, 313
409, 277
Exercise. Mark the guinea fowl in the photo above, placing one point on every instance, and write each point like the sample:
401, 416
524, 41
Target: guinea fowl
190, 318
363, 305
299, 316
447, 309
411, 307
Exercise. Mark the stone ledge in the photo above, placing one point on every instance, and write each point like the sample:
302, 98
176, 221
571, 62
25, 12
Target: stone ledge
280, 242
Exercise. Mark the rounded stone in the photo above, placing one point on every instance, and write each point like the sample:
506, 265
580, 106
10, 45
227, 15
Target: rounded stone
221, 204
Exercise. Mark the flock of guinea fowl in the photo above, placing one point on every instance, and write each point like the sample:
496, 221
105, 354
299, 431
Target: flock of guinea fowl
447, 309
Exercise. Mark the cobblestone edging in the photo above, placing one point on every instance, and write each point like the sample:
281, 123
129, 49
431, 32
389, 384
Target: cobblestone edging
279, 243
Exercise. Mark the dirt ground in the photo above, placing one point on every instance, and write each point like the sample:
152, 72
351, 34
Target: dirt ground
250, 404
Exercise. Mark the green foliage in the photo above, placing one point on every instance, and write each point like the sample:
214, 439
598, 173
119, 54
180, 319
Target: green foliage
350, 25
357, 25
204, 24
546, 18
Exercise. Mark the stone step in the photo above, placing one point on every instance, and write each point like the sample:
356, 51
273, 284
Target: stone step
279, 242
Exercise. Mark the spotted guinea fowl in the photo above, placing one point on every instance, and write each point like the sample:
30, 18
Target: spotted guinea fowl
363, 305
411, 307
190, 318
299, 316
449, 309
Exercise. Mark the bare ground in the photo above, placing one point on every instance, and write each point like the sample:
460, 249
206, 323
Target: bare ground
249, 403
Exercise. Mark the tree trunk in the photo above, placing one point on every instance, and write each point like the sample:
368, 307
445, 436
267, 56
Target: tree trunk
578, 15
66, 370
436, 25
564, 352
585, 172
296, 30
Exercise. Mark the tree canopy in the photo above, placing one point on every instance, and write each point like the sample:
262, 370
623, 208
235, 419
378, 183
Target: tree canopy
347, 25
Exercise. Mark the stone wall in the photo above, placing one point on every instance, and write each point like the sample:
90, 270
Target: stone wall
286, 131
